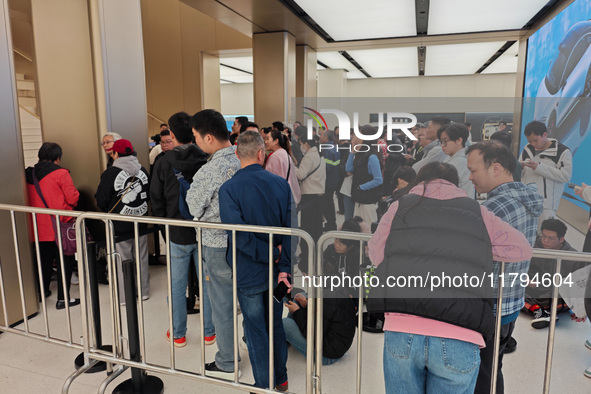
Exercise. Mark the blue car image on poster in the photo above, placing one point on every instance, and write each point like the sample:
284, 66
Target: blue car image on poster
557, 89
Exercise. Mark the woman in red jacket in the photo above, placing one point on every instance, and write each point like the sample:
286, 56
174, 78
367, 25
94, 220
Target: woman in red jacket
59, 192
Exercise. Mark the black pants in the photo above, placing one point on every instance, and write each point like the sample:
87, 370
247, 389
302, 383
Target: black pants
49, 254
341, 201
486, 362
311, 222
328, 210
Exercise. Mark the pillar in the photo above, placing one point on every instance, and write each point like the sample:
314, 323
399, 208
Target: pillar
13, 181
332, 83
306, 82
66, 91
274, 61
123, 74
306, 61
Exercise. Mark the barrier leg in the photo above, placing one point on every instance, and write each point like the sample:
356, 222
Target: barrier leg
73, 376
140, 382
96, 313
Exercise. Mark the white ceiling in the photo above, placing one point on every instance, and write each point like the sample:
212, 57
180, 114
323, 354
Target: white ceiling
234, 76
506, 63
388, 63
465, 16
347, 20
356, 20
459, 59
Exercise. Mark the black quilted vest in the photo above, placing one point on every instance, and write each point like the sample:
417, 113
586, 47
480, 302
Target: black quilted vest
428, 238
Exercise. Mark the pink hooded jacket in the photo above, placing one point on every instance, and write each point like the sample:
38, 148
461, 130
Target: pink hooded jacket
278, 163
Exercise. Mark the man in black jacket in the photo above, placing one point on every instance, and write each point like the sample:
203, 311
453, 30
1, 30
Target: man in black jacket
124, 190
185, 159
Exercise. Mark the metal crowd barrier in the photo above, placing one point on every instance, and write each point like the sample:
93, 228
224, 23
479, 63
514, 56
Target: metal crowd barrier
558, 255
12, 209
93, 354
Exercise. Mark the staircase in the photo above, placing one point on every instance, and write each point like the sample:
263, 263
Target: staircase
29, 118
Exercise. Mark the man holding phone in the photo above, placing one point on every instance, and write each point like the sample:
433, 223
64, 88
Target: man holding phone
240, 203
547, 163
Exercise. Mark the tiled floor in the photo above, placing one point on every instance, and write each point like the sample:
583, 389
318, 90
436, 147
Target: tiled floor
32, 366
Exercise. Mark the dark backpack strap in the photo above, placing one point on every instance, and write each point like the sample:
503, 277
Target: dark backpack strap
38, 188
288, 168
315, 169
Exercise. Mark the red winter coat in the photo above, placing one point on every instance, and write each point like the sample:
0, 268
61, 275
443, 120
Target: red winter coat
59, 192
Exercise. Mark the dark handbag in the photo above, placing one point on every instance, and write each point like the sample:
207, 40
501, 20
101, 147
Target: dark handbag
67, 229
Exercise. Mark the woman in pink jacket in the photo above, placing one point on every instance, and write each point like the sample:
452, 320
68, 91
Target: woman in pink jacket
280, 162
432, 342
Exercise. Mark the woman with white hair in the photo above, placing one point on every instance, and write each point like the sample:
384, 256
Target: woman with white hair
107, 144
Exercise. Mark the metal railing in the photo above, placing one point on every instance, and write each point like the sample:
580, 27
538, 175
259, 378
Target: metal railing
48, 337
92, 353
557, 255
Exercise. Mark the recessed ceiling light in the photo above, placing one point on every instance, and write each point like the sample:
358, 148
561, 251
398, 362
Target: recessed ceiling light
459, 59
462, 16
358, 20
388, 63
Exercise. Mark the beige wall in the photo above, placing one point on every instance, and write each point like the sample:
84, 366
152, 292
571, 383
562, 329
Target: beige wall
332, 83
66, 87
478, 85
237, 98
181, 48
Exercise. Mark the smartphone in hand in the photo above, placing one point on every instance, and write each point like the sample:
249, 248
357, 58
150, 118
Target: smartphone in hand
280, 291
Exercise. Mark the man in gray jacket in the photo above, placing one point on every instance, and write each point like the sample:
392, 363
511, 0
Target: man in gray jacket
432, 152
211, 135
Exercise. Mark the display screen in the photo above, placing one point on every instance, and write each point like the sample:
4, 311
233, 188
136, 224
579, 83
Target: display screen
557, 88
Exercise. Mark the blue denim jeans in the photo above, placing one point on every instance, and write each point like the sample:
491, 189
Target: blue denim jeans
297, 340
349, 207
425, 364
180, 258
254, 302
219, 285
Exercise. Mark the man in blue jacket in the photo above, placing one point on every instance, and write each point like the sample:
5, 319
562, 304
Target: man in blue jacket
240, 203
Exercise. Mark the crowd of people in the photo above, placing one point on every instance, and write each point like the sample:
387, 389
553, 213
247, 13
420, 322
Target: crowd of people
419, 202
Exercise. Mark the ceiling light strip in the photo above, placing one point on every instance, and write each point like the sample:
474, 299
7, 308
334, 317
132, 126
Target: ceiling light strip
236, 68
354, 62
494, 57
541, 13
307, 19
422, 16
422, 54
323, 65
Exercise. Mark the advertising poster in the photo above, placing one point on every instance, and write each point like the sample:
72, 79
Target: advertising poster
557, 87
